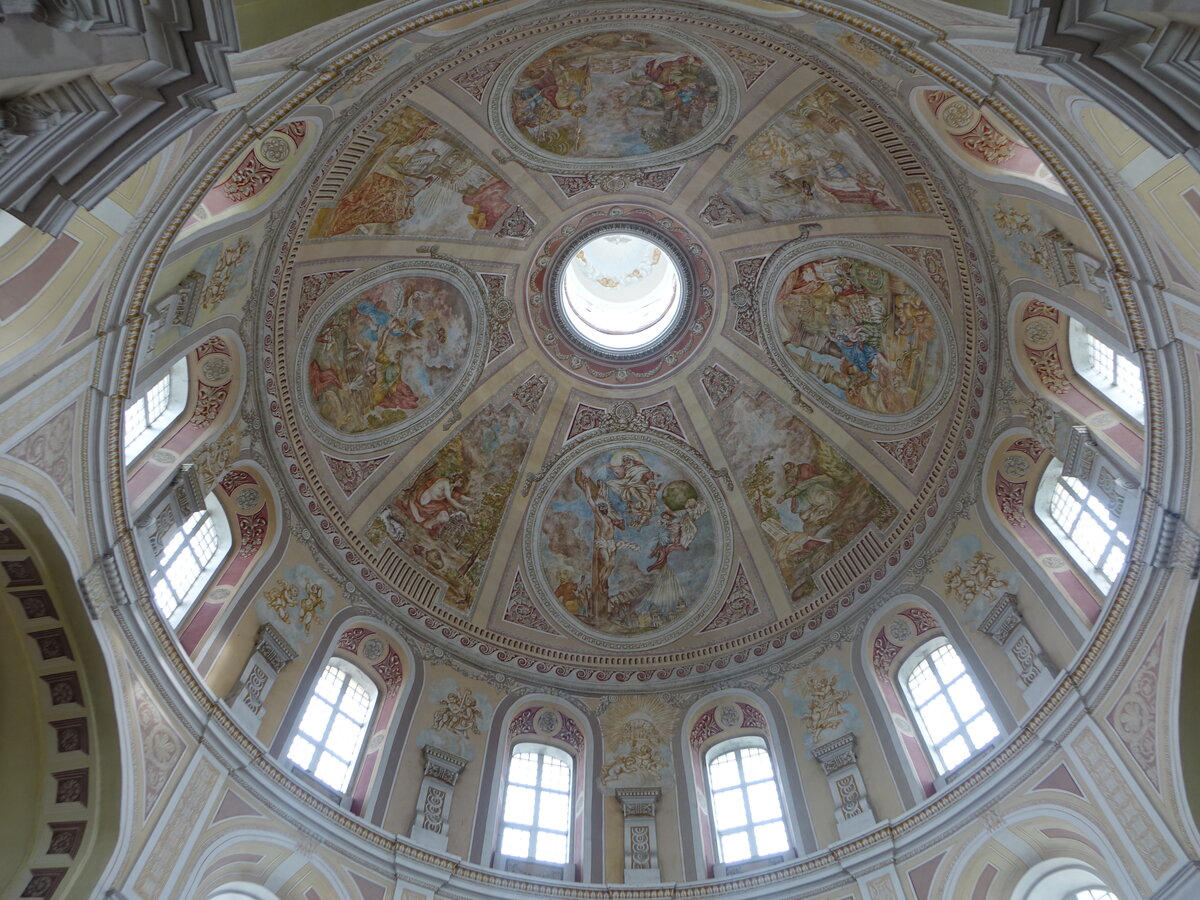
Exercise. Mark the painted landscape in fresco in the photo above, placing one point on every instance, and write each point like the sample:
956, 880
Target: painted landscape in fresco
389, 352
614, 94
419, 179
862, 331
627, 540
447, 515
808, 499
809, 161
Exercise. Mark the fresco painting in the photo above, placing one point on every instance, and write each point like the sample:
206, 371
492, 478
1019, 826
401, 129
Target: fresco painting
446, 516
614, 94
627, 540
862, 331
810, 161
389, 352
418, 179
809, 501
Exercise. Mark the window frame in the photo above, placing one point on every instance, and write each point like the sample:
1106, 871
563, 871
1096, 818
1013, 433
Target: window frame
354, 674
1044, 502
904, 673
1081, 340
177, 394
543, 750
1061, 879
735, 745
212, 514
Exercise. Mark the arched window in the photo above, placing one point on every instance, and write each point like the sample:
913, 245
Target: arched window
1113, 372
1062, 879
954, 719
148, 415
536, 820
188, 559
1082, 521
334, 722
747, 814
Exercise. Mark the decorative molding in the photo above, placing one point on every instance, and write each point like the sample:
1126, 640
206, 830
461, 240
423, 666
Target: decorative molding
73, 144
837, 754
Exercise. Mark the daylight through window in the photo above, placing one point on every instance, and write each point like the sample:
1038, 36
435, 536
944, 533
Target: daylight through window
953, 717
747, 813
536, 822
334, 724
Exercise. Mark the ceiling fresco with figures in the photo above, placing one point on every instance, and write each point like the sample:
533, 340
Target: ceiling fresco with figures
750, 481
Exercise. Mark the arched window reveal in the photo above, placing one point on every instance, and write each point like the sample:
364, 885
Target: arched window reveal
1014, 471
540, 806
334, 723
1051, 347
151, 412
953, 716
942, 715
211, 375
744, 818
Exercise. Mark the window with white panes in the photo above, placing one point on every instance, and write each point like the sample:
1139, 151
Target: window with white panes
188, 559
148, 415
1088, 527
536, 821
949, 708
334, 723
1111, 371
1093, 894
747, 813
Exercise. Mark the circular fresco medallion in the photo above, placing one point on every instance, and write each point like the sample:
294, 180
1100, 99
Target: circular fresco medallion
392, 348
630, 542
594, 100
862, 328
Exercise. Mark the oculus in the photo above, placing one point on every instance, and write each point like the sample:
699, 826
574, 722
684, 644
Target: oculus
621, 291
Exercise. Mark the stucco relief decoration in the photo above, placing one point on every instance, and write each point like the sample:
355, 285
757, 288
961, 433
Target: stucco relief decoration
629, 539
808, 500
419, 178
973, 579
225, 275
813, 160
1135, 716
391, 670
636, 738
51, 449
591, 100
392, 348
739, 604
213, 459
909, 451
825, 701
862, 327
289, 602
162, 748
458, 712
297, 602
313, 287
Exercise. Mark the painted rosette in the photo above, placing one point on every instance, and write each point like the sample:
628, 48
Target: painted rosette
629, 543
859, 332
389, 351
594, 99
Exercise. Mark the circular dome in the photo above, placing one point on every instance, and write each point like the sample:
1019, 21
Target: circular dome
621, 291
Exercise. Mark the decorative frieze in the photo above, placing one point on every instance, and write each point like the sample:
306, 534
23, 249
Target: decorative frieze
638, 806
431, 824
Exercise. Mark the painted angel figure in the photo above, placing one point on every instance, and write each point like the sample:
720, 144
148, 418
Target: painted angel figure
680, 527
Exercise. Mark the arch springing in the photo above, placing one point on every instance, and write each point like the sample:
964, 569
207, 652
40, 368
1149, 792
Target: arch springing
747, 814
329, 737
949, 708
536, 820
